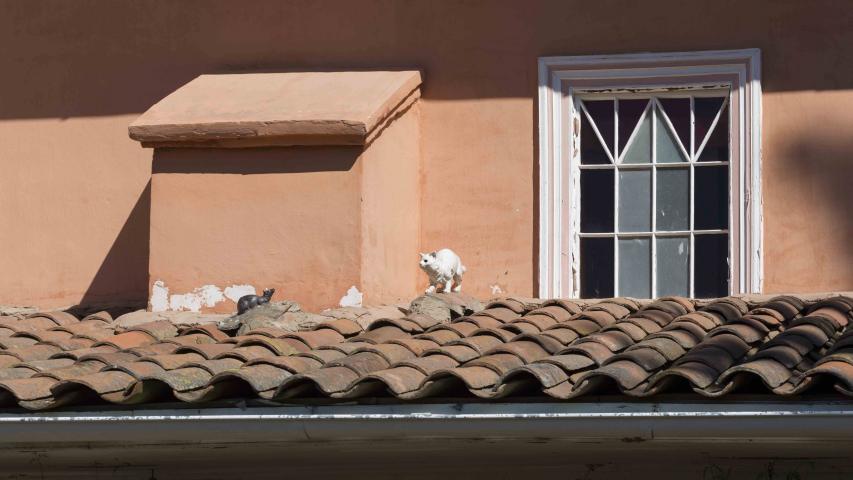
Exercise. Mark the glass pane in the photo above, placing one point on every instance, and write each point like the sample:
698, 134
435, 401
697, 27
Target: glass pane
712, 198
592, 152
668, 150
711, 266
717, 148
678, 112
635, 200
603, 115
704, 111
640, 148
629, 114
673, 199
635, 267
673, 266
596, 267
596, 201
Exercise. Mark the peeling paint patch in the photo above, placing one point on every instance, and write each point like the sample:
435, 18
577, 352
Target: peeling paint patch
205, 296
159, 297
186, 301
234, 292
496, 289
610, 91
353, 298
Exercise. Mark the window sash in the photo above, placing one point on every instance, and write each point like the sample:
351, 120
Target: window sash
693, 153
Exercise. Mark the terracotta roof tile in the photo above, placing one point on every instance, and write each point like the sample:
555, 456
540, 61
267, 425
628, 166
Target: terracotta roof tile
9, 343
343, 326
557, 348
260, 377
398, 380
549, 344
58, 318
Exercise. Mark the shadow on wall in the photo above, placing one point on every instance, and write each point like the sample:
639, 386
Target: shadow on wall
817, 172
254, 160
125, 264
121, 56
127, 261
534, 180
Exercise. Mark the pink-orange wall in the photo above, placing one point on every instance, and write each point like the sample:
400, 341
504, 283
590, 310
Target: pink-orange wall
287, 218
311, 222
74, 201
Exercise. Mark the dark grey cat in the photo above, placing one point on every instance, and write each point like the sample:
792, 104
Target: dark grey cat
248, 302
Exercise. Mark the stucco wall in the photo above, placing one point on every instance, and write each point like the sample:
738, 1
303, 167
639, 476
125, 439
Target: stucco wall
73, 197
287, 218
310, 222
390, 209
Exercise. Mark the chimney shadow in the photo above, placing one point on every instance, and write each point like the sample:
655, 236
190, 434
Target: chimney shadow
121, 283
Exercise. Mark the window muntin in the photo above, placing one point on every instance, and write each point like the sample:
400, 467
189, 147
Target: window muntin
654, 194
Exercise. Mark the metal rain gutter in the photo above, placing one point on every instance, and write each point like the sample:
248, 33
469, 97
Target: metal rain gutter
698, 423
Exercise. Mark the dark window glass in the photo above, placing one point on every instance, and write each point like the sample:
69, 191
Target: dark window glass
678, 112
711, 205
667, 145
596, 267
629, 115
596, 201
603, 115
711, 266
592, 153
704, 111
717, 148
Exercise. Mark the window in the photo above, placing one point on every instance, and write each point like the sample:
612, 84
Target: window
649, 179
654, 204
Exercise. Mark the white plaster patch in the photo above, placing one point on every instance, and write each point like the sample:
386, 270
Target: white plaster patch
204, 296
159, 297
207, 296
210, 295
186, 301
234, 292
496, 289
353, 298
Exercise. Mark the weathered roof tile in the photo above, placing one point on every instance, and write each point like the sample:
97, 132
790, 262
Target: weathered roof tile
560, 348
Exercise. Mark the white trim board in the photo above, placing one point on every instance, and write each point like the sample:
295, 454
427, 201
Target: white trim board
560, 77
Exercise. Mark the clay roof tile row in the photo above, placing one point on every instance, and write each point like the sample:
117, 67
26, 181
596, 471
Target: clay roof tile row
558, 348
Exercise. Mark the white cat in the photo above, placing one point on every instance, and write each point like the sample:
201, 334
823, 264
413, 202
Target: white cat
443, 267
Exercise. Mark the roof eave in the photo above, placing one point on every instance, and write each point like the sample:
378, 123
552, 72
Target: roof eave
695, 423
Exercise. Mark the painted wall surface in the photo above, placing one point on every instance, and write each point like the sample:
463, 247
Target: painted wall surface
287, 218
311, 222
73, 197
74, 208
391, 212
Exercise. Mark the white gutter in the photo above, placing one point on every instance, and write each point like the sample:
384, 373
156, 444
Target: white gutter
683, 422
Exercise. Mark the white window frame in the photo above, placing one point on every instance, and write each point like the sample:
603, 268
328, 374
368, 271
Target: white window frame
559, 192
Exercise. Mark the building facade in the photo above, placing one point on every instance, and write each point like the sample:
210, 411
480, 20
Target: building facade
79, 198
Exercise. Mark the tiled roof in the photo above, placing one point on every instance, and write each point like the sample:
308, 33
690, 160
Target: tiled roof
558, 349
